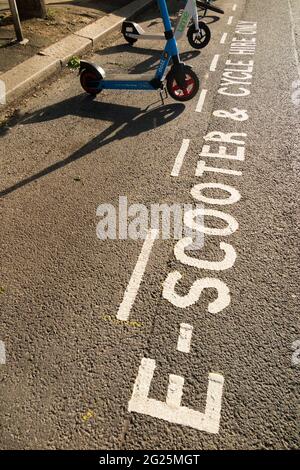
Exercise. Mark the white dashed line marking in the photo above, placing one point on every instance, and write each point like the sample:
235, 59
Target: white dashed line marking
185, 338
223, 38
180, 157
2, 353
214, 63
137, 276
234, 7
201, 101
230, 19
294, 38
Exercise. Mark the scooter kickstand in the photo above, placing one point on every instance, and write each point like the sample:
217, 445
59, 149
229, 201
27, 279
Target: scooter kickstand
163, 94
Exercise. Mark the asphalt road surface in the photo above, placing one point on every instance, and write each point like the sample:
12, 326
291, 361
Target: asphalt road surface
140, 344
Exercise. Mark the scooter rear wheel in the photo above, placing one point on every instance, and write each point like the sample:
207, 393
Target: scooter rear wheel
186, 93
199, 40
90, 82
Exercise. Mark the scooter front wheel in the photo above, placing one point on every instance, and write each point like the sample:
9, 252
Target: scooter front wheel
199, 39
89, 81
187, 92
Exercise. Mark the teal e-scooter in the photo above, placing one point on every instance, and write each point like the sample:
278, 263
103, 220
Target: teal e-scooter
180, 81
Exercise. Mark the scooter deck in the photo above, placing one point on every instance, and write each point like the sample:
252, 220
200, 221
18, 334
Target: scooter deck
145, 77
146, 36
129, 82
135, 31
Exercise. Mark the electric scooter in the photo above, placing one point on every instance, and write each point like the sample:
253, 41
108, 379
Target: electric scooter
181, 82
198, 32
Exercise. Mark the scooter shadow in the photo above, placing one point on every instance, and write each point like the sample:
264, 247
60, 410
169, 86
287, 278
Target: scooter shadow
149, 64
127, 121
210, 19
121, 48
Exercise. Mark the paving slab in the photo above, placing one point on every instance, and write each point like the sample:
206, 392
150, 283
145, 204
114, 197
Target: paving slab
67, 47
22, 78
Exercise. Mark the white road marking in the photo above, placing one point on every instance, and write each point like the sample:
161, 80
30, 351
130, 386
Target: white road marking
137, 276
229, 22
184, 338
223, 38
234, 7
183, 301
226, 137
296, 93
227, 262
2, 92
214, 63
180, 157
171, 410
175, 391
190, 220
294, 38
197, 193
201, 168
2, 353
236, 115
296, 354
240, 154
201, 101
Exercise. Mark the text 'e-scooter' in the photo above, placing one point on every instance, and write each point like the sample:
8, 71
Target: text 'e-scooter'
182, 83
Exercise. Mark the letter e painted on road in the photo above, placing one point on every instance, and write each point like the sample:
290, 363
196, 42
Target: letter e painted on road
171, 410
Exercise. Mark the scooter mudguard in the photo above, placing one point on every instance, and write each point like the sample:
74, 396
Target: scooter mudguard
90, 67
129, 27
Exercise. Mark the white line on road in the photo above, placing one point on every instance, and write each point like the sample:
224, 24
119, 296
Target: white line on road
180, 157
2, 353
230, 20
185, 338
223, 38
201, 101
234, 7
294, 38
137, 276
214, 63
175, 391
